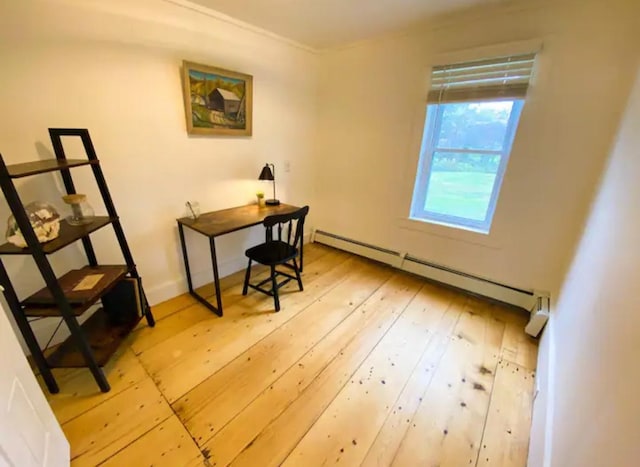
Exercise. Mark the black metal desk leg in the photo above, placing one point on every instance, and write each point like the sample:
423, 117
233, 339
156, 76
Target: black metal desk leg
216, 276
196, 295
185, 256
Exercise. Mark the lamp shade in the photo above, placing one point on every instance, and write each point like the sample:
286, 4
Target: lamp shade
266, 173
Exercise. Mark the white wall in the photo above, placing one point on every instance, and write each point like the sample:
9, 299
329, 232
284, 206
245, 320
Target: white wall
595, 329
114, 68
372, 105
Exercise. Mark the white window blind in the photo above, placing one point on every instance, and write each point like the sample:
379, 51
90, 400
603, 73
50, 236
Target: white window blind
505, 77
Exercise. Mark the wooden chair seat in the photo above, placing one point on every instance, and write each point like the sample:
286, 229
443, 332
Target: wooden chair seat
272, 253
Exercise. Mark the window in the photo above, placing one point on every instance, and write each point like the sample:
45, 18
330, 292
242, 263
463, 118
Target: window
472, 115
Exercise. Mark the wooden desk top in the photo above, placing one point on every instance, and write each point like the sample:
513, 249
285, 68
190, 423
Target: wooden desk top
213, 224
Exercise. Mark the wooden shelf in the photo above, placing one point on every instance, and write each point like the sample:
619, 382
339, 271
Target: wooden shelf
42, 303
117, 289
103, 335
68, 235
50, 165
51, 312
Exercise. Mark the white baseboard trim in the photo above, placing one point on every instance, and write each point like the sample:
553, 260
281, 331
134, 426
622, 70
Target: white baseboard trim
550, 412
542, 422
541, 430
504, 293
500, 292
165, 291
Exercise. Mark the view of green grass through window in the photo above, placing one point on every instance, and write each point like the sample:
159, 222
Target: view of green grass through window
465, 150
463, 192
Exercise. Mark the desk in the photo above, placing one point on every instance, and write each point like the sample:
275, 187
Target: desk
217, 223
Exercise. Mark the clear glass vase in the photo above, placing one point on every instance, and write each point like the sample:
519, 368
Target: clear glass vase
81, 211
44, 220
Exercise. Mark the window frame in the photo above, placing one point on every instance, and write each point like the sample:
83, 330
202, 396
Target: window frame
431, 134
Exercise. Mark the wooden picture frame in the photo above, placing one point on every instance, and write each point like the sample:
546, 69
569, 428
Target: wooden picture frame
217, 101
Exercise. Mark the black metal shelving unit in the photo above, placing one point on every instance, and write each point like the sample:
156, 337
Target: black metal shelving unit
94, 342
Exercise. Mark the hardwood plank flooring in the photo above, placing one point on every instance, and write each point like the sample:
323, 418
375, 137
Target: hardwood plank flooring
78, 393
368, 366
219, 398
168, 444
447, 427
350, 423
338, 354
506, 434
104, 430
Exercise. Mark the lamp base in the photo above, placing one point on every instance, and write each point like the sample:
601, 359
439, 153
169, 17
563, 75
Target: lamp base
272, 202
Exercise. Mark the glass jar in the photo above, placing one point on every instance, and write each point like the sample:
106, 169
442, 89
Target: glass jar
81, 211
44, 220
193, 209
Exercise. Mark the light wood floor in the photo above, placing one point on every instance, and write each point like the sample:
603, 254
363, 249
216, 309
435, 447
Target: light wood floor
367, 366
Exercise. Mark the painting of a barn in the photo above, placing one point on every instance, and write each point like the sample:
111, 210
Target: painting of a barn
217, 101
224, 101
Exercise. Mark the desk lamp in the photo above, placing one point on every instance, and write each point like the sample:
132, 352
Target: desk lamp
268, 174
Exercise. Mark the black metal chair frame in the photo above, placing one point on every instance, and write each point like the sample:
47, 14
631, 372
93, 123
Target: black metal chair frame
288, 261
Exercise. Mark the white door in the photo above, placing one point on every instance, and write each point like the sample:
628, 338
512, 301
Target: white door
29, 432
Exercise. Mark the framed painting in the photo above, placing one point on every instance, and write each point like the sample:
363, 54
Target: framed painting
217, 101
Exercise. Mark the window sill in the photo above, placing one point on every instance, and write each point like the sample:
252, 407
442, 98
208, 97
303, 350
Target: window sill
451, 232
449, 225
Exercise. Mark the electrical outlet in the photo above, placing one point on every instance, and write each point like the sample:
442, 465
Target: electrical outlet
287, 166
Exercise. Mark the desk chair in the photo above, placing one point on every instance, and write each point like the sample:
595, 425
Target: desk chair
278, 252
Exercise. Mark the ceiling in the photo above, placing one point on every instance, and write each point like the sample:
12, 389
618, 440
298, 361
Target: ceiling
326, 23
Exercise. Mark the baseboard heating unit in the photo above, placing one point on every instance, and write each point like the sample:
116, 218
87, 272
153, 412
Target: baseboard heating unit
528, 299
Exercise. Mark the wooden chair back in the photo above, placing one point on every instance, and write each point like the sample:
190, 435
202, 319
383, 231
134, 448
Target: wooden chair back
278, 221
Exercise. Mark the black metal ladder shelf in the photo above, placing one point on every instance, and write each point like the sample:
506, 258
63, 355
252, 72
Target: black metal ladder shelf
94, 342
